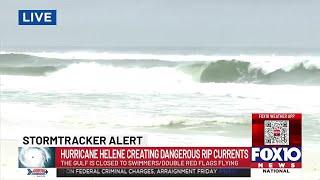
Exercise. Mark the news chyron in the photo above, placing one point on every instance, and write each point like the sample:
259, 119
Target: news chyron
276, 149
127, 156
276, 142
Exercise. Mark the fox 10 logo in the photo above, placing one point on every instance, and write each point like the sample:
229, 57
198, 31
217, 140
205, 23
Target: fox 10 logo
276, 140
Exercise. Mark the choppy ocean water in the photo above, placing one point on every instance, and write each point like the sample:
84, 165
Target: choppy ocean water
150, 93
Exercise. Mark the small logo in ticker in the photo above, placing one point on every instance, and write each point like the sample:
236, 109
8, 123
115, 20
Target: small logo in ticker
37, 172
36, 157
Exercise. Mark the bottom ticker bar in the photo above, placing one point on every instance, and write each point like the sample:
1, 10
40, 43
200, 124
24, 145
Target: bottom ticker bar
153, 172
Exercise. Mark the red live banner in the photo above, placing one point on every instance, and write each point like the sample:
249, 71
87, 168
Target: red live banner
153, 157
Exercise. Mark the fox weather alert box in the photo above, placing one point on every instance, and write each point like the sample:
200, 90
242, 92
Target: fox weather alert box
185, 89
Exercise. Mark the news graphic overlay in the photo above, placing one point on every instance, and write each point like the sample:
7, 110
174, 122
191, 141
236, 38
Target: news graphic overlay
36, 160
37, 17
36, 157
126, 156
276, 140
276, 132
153, 161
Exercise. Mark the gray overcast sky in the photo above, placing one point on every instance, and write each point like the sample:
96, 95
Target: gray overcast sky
181, 23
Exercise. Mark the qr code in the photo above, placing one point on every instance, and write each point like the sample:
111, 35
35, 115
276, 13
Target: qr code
276, 132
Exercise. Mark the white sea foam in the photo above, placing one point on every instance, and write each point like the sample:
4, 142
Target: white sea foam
268, 63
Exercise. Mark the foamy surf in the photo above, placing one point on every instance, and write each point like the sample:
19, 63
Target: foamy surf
216, 69
198, 93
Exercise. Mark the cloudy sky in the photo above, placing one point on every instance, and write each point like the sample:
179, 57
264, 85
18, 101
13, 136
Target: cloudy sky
166, 23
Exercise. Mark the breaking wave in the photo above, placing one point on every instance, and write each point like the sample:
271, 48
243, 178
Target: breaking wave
238, 71
295, 71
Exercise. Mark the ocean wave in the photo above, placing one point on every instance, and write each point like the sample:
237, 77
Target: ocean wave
159, 71
242, 72
28, 71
